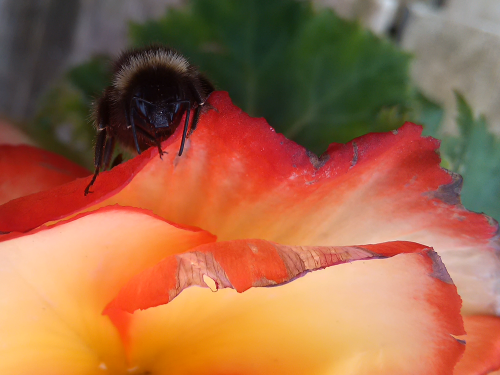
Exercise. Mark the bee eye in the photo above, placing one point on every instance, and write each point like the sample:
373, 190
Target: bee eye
142, 107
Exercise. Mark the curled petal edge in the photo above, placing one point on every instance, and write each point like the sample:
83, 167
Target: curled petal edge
415, 275
243, 264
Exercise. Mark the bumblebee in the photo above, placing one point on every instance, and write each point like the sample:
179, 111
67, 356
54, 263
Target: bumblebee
152, 89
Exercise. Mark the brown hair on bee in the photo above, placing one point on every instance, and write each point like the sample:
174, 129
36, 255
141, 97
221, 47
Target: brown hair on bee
151, 90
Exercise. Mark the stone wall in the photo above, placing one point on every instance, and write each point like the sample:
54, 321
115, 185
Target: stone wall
456, 44
457, 48
40, 39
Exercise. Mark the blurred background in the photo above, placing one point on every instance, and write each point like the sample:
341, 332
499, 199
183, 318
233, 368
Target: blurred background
320, 72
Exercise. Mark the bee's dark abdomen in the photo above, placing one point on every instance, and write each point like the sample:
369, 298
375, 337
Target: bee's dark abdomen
206, 86
102, 110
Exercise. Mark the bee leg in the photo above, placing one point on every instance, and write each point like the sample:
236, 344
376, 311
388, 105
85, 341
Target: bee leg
199, 101
186, 126
196, 117
129, 116
157, 142
158, 145
99, 149
154, 140
160, 151
108, 152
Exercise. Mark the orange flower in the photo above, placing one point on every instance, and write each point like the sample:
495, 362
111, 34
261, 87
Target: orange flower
270, 213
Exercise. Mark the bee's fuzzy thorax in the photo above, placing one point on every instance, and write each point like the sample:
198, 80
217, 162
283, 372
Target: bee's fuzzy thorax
153, 89
130, 63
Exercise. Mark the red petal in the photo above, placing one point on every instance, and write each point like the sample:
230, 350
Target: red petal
25, 170
482, 352
390, 316
239, 179
67, 199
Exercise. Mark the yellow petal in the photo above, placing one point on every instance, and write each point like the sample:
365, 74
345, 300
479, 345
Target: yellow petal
385, 316
54, 284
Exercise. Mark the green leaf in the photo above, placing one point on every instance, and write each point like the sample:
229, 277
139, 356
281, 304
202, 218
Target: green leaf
475, 154
427, 113
313, 76
345, 77
91, 77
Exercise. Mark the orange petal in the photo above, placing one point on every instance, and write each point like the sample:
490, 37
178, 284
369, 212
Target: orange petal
55, 282
385, 316
239, 179
25, 170
482, 352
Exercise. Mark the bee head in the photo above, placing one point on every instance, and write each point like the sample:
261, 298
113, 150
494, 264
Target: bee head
158, 106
